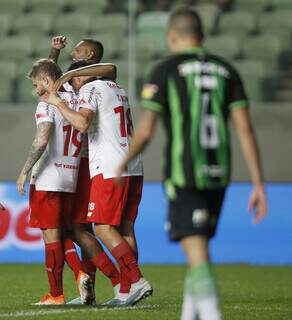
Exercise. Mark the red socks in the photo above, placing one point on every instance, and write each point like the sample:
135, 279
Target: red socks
54, 265
106, 266
128, 264
72, 257
89, 268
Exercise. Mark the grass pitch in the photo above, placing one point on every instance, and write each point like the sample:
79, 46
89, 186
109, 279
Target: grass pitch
247, 292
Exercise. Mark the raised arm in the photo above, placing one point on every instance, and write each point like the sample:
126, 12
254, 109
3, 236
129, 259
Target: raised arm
101, 70
244, 129
58, 43
38, 147
143, 134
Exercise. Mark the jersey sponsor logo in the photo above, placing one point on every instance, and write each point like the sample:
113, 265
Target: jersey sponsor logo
113, 85
40, 115
149, 91
213, 171
66, 166
200, 217
75, 101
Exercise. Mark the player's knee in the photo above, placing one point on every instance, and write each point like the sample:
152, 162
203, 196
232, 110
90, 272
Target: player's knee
51, 235
102, 228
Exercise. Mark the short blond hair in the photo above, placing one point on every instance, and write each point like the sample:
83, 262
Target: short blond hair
45, 67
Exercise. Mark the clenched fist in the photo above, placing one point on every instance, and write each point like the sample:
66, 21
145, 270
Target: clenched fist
59, 42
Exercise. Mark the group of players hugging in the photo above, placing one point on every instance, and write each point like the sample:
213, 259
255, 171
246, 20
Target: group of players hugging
83, 132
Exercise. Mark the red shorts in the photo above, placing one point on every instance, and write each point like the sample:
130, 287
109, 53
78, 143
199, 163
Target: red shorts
82, 193
50, 209
112, 203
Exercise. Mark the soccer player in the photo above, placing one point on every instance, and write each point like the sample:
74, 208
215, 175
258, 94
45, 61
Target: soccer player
54, 158
195, 93
91, 51
104, 110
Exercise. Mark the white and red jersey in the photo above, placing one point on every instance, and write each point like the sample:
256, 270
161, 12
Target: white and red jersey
110, 131
57, 169
84, 149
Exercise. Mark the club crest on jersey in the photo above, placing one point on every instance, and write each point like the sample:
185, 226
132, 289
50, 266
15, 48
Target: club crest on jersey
149, 91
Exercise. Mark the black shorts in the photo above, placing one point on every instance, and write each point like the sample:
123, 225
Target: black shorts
194, 212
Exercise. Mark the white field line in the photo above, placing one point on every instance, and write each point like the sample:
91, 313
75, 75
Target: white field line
259, 309
35, 313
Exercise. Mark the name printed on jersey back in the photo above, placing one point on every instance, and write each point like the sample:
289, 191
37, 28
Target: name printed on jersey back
111, 128
199, 67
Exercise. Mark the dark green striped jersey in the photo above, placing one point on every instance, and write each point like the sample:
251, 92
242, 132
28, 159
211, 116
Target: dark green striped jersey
194, 92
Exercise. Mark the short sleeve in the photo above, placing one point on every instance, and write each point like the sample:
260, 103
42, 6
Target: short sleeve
90, 97
44, 113
154, 90
237, 94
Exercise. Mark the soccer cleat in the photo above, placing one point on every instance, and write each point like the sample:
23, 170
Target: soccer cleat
117, 289
77, 301
49, 300
119, 300
139, 290
85, 288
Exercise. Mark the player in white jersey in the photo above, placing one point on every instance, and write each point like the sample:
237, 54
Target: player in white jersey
87, 242
105, 112
91, 51
54, 158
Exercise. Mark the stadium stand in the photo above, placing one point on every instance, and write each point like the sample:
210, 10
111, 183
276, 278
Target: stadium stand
110, 23
92, 7
13, 7
5, 24
209, 13
266, 47
227, 46
75, 22
257, 6
16, 47
254, 39
32, 24
52, 7
239, 23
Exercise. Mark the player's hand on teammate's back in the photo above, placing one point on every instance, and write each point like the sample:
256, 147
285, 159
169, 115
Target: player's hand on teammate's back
258, 202
50, 98
59, 42
59, 82
21, 182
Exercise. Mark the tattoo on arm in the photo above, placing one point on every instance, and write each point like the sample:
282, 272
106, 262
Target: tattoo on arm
38, 146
